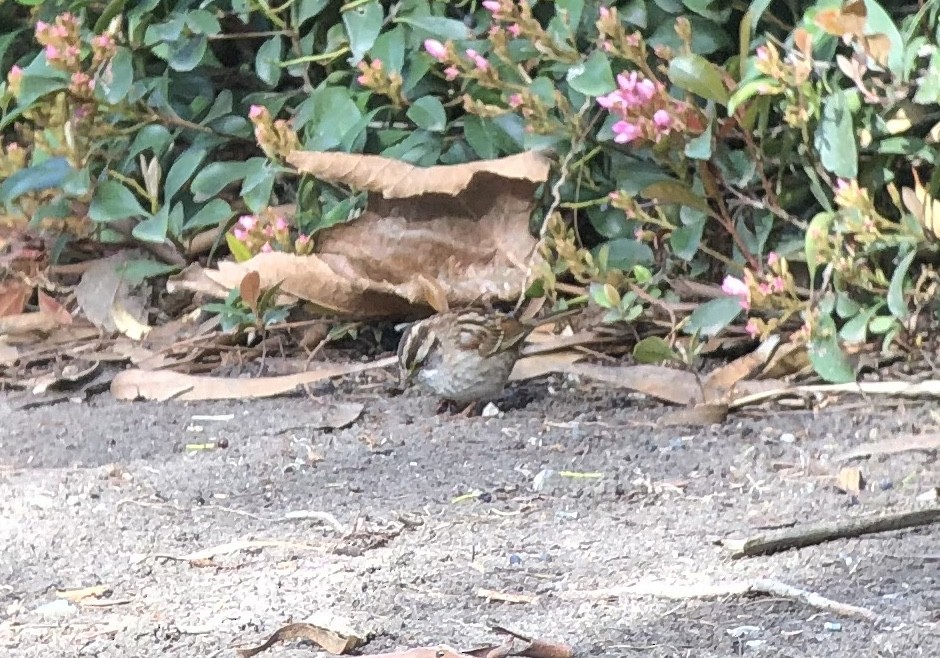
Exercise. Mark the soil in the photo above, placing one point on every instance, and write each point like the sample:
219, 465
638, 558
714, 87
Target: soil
567, 492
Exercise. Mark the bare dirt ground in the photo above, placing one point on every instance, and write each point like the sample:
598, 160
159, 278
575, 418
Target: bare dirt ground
107, 493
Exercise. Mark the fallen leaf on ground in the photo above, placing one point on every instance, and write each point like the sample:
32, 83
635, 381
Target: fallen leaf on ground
529, 367
13, 296
76, 595
719, 384
167, 385
109, 301
430, 238
701, 415
850, 480
207, 554
327, 639
892, 446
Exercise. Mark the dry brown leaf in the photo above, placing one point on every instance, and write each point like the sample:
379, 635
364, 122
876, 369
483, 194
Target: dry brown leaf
719, 384
13, 297
164, 385
893, 446
109, 302
77, 595
538, 365
701, 415
27, 323
660, 382
850, 480
848, 20
431, 237
329, 640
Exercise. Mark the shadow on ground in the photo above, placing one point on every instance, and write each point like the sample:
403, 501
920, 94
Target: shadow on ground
107, 493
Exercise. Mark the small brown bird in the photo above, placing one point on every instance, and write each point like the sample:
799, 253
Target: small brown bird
465, 356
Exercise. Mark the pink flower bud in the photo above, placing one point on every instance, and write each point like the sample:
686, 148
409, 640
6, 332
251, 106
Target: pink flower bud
751, 328
625, 132
280, 224
256, 111
247, 222
662, 120
52, 53
773, 258
515, 100
514, 30
239, 234
492, 6
737, 288
266, 248
451, 73
435, 49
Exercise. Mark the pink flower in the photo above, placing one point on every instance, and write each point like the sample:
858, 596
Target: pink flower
478, 60
737, 288
15, 75
646, 89
247, 222
266, 248
103, 41
514, 30
842, 185
515, 100
362, 79
52, 53
435, 49
604, 12
239, 234
492, 6
72, 52
256, 111
59, 31
302, 240
625, 132
280, 224
751, 328
451, 73
773, 258
762, 53
777, 284
662, 120
41, 27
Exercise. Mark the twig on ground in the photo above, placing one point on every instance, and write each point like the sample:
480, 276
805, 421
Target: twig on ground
765, 586
817, 533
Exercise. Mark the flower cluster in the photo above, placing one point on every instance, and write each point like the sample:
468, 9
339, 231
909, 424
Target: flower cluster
646, 111
267, 232
61, 40
773, 288
469, 64
276, 138
374, 76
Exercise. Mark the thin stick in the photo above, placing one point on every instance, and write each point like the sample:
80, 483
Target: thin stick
817, 533
763, 586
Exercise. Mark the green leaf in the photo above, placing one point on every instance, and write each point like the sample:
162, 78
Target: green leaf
707, 36
480, 135
216, 176
428, 113
835, 137
153, 137
747, 90
856, 329
363, 25
826, 355
111, 10
653, 349
674, 191
186, 54
897, 303
216, 212
713, 316
700, 148
438, 26
138, 270
118, 76
237, 248
879, 21
593, 77
716, 10
113, 201
685, 240
390, 49
202, 21
268, 61
327, 115
696, 74
49, 173
627, 253
307, 9
818, 226
154, 228
181, 171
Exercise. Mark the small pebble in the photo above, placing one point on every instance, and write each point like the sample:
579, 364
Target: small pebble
832, 626
787, 437
514, 560
885, 484
544, 479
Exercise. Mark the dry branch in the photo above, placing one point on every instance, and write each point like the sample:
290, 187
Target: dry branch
763, 586
817, 533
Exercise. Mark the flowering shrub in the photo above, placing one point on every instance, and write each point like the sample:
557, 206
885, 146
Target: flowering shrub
693, 139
